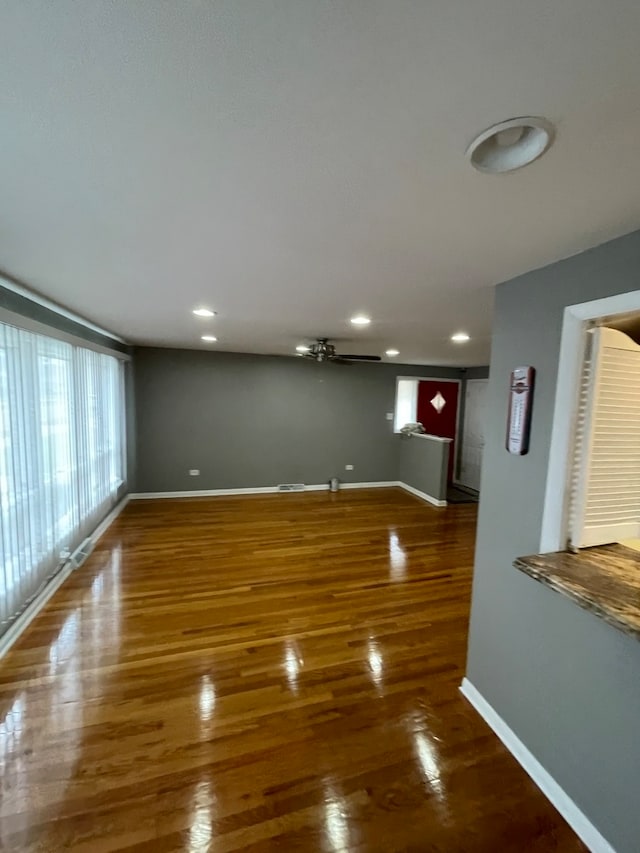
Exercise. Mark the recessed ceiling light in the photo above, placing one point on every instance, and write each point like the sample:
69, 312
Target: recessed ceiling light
302, 348
392, 352
210, 339
204, 312
360, 320
460, 338
511, 144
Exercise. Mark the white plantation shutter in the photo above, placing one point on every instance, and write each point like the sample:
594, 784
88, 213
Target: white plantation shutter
605, 488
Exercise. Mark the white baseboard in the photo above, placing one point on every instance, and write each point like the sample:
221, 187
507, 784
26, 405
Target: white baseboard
27, 616
423, 495
205, 493
576, 819
24, 620
267, 490
106, 523
256, 490
375, 484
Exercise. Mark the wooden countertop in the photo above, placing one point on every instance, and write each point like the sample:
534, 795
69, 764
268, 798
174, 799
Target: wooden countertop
604, 580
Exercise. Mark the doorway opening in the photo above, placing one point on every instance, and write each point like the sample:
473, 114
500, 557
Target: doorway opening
475, 402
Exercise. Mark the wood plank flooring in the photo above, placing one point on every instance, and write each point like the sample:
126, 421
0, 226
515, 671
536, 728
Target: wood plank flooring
262, 673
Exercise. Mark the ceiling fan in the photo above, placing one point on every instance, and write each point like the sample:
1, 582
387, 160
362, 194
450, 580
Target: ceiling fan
322, 350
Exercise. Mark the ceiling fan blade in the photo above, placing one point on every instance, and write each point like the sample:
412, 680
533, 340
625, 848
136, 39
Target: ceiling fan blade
346, 357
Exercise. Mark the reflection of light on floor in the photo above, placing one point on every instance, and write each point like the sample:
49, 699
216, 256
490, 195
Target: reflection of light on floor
292, 664
11, 729
89, 635
97, 587
207, 699
116, 564
398, 568
106, 603
375, 662
428, 758
200, 831
336, 822
64, 645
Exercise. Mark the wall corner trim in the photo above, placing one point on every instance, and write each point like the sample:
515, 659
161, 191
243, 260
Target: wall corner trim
576, 819
17, 628
423, 495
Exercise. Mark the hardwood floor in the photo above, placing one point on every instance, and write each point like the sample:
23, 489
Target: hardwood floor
262, 673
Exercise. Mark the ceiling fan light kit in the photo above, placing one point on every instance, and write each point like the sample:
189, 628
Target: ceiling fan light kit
322, 351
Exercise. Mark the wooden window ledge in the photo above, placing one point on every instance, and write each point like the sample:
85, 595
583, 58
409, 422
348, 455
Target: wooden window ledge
604, 580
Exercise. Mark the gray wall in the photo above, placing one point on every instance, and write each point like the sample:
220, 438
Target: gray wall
567, 683
423, 464
477, 372
248, 420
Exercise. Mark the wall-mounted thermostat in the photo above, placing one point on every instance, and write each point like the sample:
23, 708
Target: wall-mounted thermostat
520, 403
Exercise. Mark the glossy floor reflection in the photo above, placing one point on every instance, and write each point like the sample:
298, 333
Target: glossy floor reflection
262, 673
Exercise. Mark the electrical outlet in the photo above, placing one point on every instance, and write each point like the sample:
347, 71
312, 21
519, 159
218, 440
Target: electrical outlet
194, 472
389, 416
348, 467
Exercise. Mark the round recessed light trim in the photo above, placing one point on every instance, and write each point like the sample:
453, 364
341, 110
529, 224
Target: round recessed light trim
204, 312
360, 320
392, 352
511, 144
302, 348
460, 338
210, 339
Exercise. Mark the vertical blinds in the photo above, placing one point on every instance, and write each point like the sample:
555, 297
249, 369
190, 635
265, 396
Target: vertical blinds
606, 477
61, 456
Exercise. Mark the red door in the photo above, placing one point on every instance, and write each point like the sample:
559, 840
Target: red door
438, 411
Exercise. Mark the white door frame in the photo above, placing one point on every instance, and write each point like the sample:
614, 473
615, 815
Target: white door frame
553, 535
461, 448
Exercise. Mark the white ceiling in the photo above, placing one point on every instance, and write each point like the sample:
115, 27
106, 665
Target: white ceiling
291, 162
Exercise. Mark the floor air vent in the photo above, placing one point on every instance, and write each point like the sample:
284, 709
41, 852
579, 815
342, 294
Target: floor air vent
81, 553
291, 487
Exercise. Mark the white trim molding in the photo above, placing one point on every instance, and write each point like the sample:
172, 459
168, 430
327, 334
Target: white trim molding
553, 536
20, 290
12, 318
375, 484
211, 493
24, 620
269, 490
576, 818
256, 490
423, 495
430, 437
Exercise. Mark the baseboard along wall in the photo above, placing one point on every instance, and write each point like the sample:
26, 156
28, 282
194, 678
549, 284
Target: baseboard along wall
556, 795
265, 490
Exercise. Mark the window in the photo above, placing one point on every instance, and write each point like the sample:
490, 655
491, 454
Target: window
61, 456
406, 403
